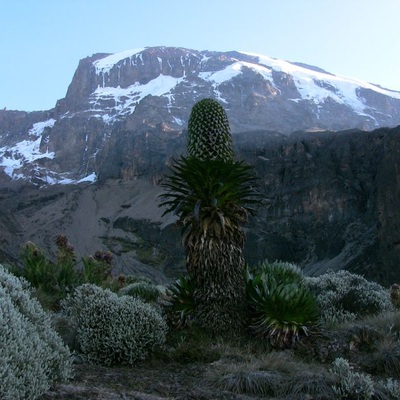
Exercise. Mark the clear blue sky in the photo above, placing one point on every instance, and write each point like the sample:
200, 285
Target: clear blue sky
42, 41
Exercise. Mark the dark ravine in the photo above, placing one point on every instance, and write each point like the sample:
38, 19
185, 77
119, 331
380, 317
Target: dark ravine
331, 200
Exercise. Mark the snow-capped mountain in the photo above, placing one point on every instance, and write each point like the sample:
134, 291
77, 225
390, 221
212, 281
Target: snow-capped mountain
118, 106
331, 199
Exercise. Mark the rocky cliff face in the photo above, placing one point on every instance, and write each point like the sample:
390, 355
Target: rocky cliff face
330, 201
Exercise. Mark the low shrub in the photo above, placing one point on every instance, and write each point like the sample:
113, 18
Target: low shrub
33, 356
388, 389
343, 296
112, 329
350, 384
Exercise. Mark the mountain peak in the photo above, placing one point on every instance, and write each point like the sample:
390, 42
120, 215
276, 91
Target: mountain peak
154, 88
116, 83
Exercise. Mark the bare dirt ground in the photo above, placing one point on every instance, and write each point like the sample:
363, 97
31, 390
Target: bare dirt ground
149, 381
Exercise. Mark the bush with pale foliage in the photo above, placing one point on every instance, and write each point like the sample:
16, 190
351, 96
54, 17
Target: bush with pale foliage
32, 355
344, 297
111, 329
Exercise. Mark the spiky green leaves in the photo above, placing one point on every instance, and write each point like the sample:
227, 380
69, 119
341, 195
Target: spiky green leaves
209, 136
218, 194
283, 307
180, 304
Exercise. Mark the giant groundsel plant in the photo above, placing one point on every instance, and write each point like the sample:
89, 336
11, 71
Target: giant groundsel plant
213, 195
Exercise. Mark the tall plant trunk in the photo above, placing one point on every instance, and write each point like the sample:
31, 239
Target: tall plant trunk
218, 269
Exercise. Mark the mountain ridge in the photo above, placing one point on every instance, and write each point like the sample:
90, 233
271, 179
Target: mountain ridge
154, 88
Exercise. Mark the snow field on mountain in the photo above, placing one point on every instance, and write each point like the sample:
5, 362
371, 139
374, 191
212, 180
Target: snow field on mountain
126, 99
26, 151
314, 86
105, 64
309, 83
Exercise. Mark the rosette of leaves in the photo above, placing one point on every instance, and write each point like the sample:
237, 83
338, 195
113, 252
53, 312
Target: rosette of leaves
278, 272
215, 194
282, 311
209, 134
179, 304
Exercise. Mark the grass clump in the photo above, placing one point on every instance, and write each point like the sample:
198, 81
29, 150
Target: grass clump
260, 383
385, 359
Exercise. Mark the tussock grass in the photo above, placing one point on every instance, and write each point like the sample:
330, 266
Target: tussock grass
385, 359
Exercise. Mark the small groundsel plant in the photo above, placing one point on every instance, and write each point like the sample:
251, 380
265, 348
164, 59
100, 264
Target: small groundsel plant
282, 307
96, 269
148, 292
32, 355
344, 297
112, 329
54, 279
350, 384
178, 302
